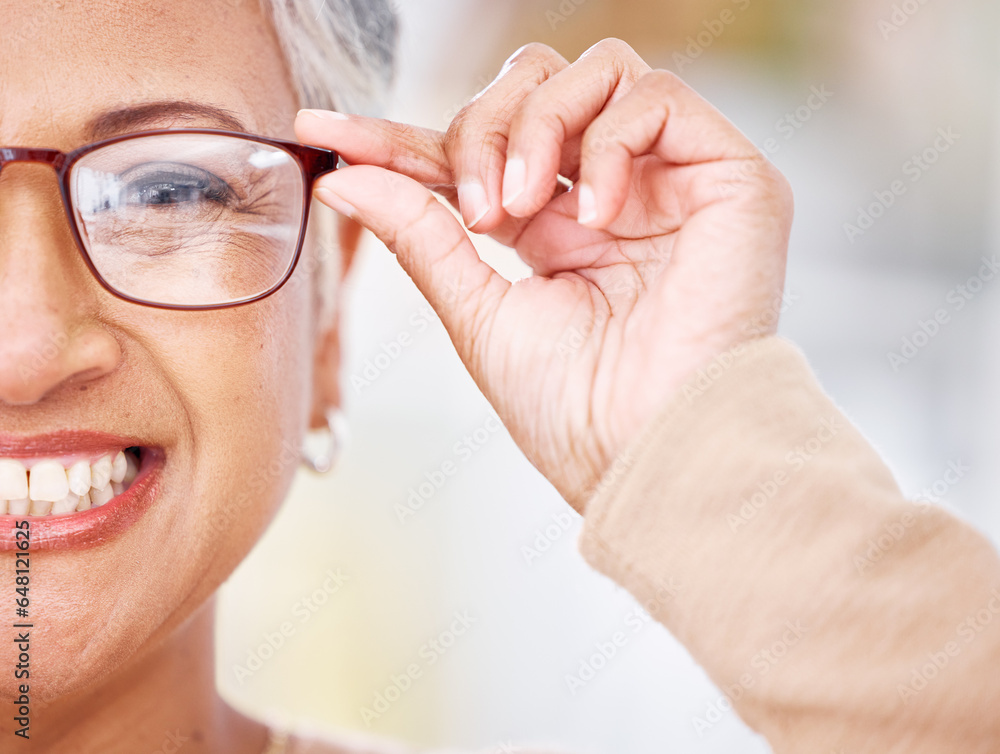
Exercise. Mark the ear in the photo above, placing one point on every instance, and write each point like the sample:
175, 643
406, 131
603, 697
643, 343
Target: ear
326, 367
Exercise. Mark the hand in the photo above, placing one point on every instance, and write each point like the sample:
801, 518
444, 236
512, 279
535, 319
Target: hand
669, 249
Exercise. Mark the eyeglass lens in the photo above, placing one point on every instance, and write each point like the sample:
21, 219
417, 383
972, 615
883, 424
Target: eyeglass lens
189, 219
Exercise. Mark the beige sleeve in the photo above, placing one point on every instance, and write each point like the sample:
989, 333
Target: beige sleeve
760, 527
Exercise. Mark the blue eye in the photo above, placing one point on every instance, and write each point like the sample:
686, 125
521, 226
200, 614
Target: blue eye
168, 187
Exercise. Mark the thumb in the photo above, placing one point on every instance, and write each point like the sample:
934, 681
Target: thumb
429, 242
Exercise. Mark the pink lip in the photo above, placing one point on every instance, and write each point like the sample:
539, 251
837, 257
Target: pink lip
63, 444
77, 531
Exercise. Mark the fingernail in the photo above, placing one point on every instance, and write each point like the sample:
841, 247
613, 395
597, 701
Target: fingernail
473, 201
325, 114
588, 204
514, 178
335, 203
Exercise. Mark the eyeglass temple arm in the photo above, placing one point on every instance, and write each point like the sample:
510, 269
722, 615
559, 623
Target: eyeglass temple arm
318, 161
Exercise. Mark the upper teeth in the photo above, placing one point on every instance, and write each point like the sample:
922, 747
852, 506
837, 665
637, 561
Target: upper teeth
100, 473
80, 478
48, 481
13, 480
49, 487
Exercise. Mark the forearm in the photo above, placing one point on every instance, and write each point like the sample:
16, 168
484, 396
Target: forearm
762, 529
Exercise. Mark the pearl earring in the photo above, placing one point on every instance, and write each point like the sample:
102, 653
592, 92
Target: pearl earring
322, 447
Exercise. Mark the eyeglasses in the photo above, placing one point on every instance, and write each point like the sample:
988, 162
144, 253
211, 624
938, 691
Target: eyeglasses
187, 218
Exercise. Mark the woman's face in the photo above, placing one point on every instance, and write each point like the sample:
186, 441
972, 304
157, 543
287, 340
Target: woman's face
217, 400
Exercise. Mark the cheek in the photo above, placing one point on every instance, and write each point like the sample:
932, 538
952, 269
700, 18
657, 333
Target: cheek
248, 398
242, 378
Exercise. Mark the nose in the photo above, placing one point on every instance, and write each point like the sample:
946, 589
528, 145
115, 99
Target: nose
50, 335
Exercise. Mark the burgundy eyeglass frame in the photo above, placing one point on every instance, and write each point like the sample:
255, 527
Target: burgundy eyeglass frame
313, 162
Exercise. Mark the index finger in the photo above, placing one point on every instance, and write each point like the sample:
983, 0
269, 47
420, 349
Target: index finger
410, 150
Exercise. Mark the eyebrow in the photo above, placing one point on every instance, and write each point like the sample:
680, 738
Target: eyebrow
124, 120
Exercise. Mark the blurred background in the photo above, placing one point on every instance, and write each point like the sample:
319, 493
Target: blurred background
466, 617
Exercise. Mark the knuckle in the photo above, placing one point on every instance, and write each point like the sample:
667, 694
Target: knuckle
612, 47
472, 129
399, 142
477, 109
767, 183
533, 52
460, 125
769, 174
781, 189
492, 140
662, 81
472, 120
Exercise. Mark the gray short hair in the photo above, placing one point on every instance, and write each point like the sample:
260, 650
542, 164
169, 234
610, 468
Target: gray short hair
341, 55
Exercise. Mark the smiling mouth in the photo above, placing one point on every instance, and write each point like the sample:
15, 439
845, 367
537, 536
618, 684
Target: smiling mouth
61, 487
